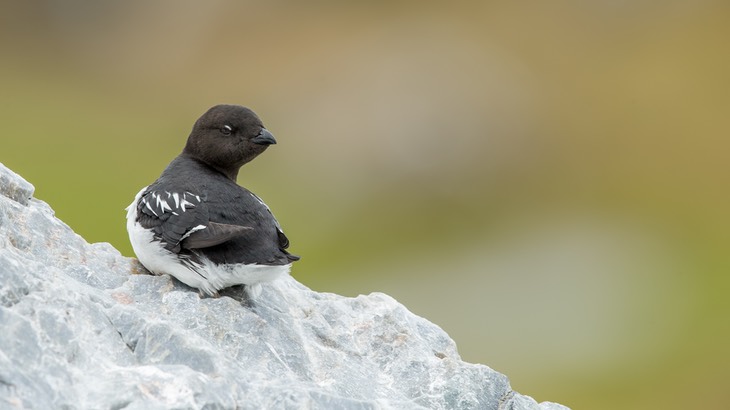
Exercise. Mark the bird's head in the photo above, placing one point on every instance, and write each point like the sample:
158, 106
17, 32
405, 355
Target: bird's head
226, 137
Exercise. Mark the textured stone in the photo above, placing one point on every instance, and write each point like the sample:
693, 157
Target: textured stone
84, 327
14, 186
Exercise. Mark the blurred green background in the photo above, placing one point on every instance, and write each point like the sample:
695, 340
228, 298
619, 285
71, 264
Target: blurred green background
547, 181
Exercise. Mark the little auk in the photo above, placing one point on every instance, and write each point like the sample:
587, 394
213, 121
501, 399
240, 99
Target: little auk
197, 224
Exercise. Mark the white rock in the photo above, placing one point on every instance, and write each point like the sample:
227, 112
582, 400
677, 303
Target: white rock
84, 327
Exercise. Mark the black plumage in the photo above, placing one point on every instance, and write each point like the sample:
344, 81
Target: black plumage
196, 210
239, 227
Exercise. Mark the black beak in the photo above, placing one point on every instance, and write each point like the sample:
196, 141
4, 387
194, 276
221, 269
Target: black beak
264, 138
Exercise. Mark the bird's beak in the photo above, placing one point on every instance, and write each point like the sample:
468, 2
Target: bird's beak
264, 138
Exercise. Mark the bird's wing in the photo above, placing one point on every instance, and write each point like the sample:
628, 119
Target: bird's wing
283, 240
213, 234
180, 220
280, 236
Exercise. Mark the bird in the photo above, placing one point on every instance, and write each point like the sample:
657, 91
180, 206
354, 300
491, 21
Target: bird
197, 224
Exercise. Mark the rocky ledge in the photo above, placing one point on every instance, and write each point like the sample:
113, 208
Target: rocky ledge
84, 327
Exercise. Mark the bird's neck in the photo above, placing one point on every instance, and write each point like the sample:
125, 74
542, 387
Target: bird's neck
228, 172
231, 174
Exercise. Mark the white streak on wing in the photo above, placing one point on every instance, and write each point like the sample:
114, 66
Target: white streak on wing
186, 203
176, 197
193, 229
192, 195
160, 202
147, 204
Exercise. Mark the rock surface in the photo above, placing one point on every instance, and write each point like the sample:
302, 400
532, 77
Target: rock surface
84, 327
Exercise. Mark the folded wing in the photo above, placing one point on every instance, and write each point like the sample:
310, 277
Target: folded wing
181, 221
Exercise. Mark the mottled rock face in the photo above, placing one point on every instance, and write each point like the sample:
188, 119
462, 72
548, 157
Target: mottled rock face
84, 327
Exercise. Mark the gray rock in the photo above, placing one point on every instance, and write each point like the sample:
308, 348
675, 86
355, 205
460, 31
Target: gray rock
14, 186
84, 327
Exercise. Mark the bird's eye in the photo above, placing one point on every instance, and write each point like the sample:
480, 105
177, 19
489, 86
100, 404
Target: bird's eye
226, 130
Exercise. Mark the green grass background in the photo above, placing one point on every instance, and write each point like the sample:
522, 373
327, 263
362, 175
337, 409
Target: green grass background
547, 181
